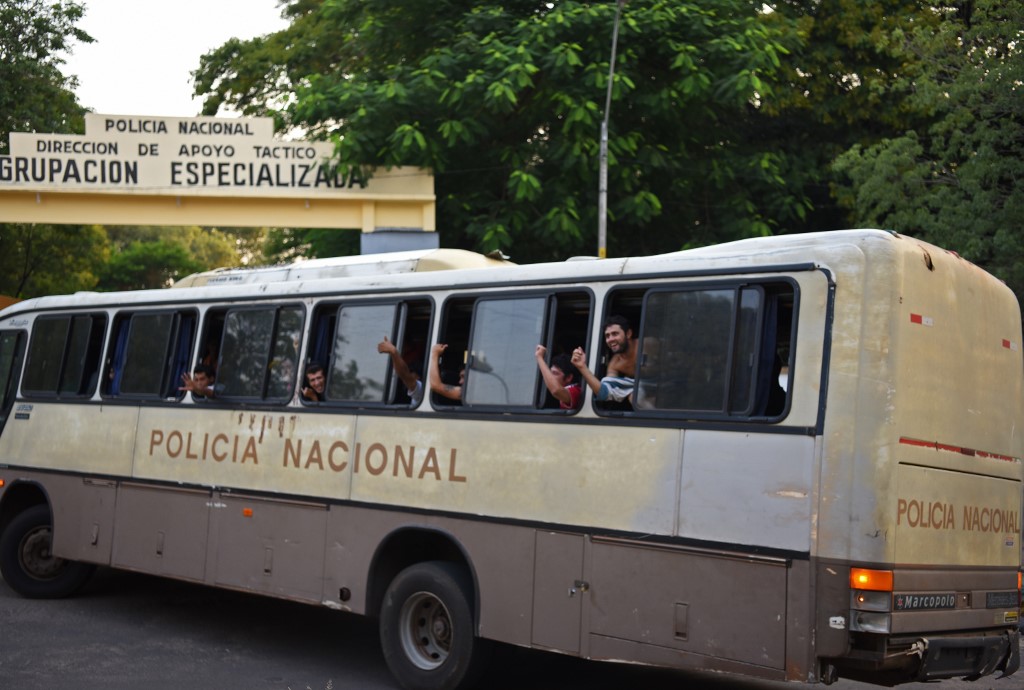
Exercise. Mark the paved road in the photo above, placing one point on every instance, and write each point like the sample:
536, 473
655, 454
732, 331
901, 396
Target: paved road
127, 631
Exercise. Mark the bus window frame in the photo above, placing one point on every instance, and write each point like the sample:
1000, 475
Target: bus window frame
100, 319
9, 391
762, 283
728, 376
169, 387
549, 328
221, 313
397, 333
541, 393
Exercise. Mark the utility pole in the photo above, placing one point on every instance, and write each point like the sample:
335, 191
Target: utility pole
602, 184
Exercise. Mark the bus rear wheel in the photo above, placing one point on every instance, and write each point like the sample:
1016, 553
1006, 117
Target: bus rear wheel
27, 562
426, 628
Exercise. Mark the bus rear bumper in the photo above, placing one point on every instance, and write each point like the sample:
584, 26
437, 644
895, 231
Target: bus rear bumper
900, 660
968, 657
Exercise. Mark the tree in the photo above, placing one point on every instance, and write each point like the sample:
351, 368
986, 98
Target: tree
288, 244
153, 264
956, 180
504, 103
45, 259
846, 82
154, 257
35, 96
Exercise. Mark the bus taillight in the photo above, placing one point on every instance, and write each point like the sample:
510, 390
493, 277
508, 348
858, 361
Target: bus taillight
872, 580
870, 600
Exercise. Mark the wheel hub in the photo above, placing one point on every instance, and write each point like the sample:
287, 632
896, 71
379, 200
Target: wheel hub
37, 559
426, 630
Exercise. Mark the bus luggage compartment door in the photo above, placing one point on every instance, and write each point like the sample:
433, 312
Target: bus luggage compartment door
558, 591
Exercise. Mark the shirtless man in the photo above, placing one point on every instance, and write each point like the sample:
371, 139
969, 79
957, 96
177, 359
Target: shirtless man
618, 381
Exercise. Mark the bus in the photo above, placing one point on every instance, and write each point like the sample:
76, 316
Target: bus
815, 472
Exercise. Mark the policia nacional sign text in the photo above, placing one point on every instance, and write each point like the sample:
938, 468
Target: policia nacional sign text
170, 155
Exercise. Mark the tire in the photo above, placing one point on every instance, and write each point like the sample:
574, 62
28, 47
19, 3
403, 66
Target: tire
27, 561
426, 628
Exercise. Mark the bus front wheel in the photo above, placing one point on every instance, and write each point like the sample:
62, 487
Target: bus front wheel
27, 562
426, 628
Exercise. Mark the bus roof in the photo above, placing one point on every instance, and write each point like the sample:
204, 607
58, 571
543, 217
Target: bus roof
418, 270
417, 261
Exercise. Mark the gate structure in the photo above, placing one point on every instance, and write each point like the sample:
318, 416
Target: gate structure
143, 170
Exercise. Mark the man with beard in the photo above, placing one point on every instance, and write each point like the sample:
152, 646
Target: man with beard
617, 385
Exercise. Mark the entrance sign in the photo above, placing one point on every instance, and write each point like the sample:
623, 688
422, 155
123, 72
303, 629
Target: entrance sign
202, 170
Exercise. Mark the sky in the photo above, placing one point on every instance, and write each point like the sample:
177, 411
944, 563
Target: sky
145, 50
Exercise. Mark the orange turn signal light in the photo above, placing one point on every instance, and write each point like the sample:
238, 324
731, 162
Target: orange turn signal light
247, 512
2, 486
872, 580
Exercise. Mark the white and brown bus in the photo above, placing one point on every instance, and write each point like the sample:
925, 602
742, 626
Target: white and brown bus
817, 475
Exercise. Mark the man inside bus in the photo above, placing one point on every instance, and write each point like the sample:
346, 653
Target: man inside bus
315, 380
410, 380
436, 384
617, 384
561, 378
200, 383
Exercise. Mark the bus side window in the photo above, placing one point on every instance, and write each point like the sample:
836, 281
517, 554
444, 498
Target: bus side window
150, 352
501, 369
412, 336
626, 304
258, 354
321, 337
495, 339
693, 329
357, 371
568, 325
12, 349
284, 358
714, 351
456, 323
64, 355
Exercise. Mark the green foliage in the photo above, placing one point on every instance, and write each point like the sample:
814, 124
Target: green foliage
206, 247
140, 265
504, 102
45, 259
956, 180
288, 244
35, 96
154, 257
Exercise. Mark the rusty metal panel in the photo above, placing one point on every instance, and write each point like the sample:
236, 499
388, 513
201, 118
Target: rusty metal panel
521, 471
747, 489
292, 453
161, 531
559, 591
92, 438
944, 517
83, 516
274, 547
736, 608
